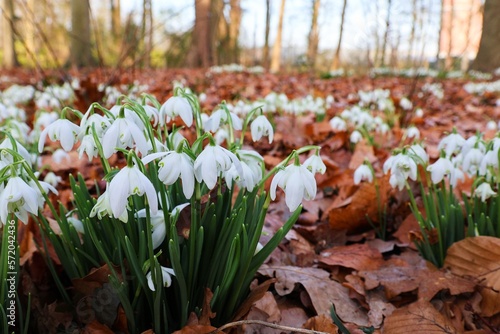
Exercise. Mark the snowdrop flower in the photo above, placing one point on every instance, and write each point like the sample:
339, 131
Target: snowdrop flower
152, 113
491, 125
221, 135
158, 226
6, 156
130, 181
472, 161
355, 137
88, 146
52, 179
47, 187
176, 106
59, 155
213, 161
173, 166
297, 182
451, 143
94, 121
420, 154
363, 173
419, 113
124, 133
412, 132
405, 103
165, 273
62, 130
490, 159
315, 164
18, 198
456, 175
261, 127
77, 224
251, 163
220, 116
103, 207
401, 166
383, 128
484, 191
442, 167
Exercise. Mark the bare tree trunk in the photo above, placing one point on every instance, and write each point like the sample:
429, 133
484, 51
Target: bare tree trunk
312, 48
448, 63
80, 33
411, 41
376, 59
488, 56
201, 50
386, 34
395, 51
336, 58
464, 65
234, 30
9, 53
440, 34
265, 55
147, 31
276, 56
116, 22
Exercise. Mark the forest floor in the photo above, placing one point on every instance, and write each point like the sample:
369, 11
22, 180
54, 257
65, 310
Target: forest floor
333, 255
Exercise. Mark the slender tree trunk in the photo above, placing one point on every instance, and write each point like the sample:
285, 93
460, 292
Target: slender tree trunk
312, 48
265, 55
488, 56
276, 56
9, 53
80, 33
376, 58
116, 21
464, 65
218, 32
395, 51
411, 41
386, 34
147, 31
448, 63
336, 58
201, 50
440, 34
234, 30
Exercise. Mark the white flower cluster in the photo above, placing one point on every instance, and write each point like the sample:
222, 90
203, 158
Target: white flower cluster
435, 89
479, 75
473, 157
17, 94
274, 102
482, 87
54, 96
113, 93
358, 120
377, 99
19, 194
231, 68
127, 128
409, 73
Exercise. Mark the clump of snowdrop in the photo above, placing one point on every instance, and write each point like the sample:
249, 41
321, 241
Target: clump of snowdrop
171, 205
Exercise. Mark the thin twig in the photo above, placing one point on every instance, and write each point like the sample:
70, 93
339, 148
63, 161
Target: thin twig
267, 324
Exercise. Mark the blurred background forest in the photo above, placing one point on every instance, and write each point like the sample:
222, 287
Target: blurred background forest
320, 35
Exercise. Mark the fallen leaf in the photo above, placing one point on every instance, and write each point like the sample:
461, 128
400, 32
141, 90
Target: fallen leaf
355, 256
322, 290
477, 257
321, 323
418, 318
195, 329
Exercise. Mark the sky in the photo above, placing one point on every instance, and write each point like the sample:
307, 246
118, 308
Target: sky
361, 22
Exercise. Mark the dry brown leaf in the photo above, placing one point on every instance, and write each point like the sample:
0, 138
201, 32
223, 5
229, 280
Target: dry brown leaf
256, 294
417, 318
206, 313
322, 290
362, 151
490, 302
477, 257
355, 256
321, 323
380, 308
96, 328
